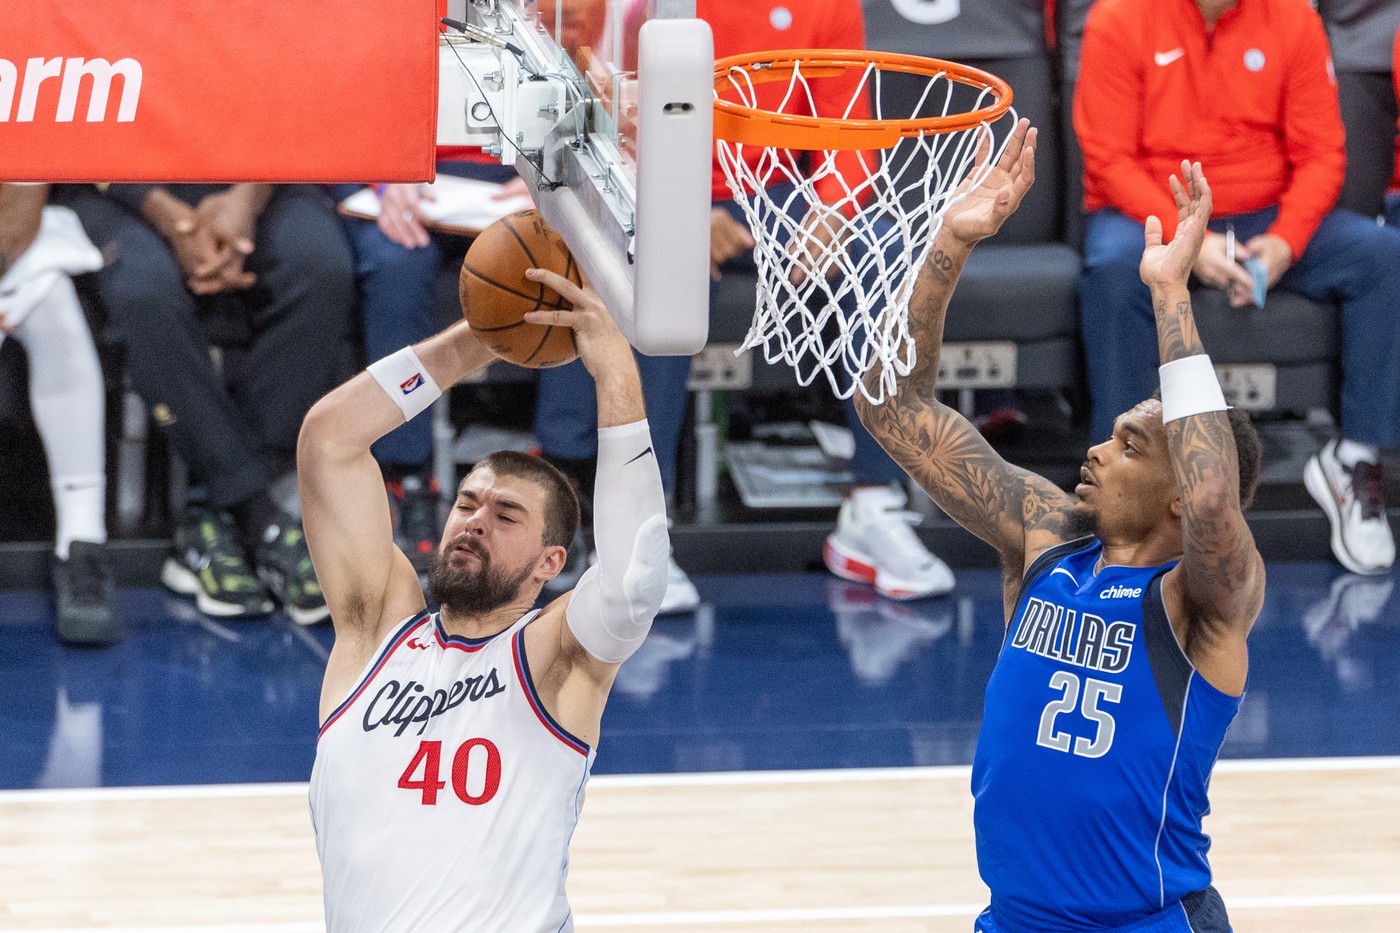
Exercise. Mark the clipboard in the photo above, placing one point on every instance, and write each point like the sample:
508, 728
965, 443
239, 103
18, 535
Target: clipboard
463, 206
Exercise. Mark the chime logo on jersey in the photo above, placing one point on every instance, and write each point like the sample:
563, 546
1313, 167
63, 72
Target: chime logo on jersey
1053, 631
411, 383
403, 704
70, 72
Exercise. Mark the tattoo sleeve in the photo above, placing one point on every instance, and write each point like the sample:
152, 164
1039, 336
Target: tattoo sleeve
999, 503
1222, 571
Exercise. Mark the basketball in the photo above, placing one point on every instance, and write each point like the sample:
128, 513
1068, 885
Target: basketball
496, 296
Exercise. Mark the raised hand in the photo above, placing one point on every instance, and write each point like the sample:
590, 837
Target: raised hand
601, 345
1165, 264
985, 206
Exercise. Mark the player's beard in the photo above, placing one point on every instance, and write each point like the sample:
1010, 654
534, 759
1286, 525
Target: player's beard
468, 591
1081, 521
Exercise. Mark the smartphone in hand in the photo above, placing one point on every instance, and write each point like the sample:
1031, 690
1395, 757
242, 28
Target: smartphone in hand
1260, 278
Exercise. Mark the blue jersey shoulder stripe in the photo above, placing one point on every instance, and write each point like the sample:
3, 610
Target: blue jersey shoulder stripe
395, 640
522, 669
1171, 669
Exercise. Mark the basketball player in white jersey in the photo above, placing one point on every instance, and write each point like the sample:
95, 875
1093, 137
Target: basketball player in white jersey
454, 746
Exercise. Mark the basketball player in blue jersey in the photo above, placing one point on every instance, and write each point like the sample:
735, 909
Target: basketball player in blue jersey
1127, 606
455, 746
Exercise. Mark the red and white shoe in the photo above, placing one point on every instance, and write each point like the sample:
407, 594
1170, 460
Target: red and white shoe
1355, 507
874, 542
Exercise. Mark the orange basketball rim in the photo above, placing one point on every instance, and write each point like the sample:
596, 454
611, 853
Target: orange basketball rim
741, 123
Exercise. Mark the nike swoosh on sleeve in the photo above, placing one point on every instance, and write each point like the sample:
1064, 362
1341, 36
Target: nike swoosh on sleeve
1166, 58
639, 456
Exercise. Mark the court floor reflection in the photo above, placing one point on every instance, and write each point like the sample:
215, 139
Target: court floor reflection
772, 672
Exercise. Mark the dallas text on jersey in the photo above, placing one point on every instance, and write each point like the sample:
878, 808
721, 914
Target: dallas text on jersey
1048, 629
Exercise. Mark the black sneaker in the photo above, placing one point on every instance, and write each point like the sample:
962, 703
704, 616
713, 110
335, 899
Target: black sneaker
208, 563
415, 507
284, 564
82, 588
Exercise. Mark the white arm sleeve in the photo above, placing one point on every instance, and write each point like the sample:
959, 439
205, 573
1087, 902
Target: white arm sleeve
612, 607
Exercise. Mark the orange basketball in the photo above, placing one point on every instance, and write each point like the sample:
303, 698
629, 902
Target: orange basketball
496, 296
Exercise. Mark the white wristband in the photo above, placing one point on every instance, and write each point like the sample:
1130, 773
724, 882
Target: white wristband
1189, 387
405, 379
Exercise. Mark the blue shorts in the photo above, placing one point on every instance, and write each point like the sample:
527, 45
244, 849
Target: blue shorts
1199, 912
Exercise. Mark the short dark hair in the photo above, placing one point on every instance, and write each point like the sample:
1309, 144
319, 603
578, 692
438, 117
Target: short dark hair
561, 511
1249, 453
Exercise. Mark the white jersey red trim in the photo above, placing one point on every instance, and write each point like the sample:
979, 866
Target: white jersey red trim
446, 794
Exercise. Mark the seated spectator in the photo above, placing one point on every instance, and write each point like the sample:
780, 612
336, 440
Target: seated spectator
1245, 88
268, 264
40, 247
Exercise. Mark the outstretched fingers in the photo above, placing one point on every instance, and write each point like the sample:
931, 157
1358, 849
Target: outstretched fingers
570, 292
1152, 232
1021, 134
1023, 170
1193, 201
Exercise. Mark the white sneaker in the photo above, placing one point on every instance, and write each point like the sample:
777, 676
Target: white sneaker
681, 594
1351, 497
874, 542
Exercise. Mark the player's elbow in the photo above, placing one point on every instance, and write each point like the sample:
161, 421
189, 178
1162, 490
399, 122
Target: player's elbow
1212, 498
321, 437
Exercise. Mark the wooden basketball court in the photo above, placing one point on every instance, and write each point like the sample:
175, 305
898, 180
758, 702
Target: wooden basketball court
1303, 846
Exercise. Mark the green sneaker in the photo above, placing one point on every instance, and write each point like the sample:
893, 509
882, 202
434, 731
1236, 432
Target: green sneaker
208, 563
284, 564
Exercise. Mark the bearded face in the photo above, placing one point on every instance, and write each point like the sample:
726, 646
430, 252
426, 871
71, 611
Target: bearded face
467, 589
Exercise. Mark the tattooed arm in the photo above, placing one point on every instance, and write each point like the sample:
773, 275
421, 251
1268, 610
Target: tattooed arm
1015, 511
1215, 593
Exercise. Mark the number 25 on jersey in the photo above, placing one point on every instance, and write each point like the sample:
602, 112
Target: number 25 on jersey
1095, 692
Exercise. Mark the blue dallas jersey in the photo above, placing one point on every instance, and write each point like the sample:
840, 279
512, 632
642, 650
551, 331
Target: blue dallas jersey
1097, 743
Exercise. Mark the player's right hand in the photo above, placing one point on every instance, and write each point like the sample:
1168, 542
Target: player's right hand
601, 345
986, 206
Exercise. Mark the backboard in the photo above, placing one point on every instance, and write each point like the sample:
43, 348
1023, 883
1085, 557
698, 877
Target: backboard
604, 107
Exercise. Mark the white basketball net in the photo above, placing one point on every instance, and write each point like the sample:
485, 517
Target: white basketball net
846, 305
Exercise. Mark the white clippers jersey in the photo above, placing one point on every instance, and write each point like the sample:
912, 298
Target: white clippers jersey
443, 794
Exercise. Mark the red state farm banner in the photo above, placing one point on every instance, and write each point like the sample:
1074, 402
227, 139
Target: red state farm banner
237, 90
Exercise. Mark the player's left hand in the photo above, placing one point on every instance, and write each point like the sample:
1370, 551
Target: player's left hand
1274, 252
984, 207
1165, 264
601, 345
